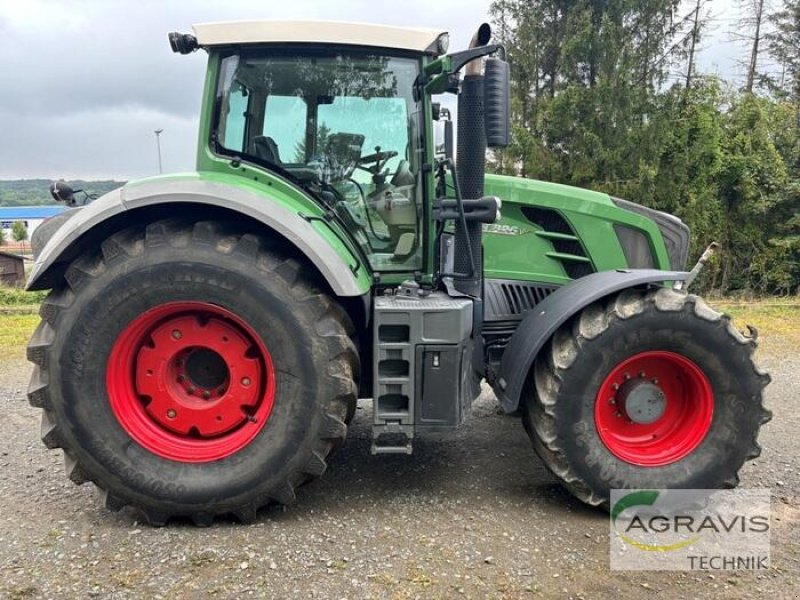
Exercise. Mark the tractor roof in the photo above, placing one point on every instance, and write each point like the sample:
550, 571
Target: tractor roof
318, 32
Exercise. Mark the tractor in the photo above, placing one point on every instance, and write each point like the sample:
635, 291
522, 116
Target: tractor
208, 335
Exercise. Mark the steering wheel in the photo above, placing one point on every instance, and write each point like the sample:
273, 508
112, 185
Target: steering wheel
380, 156
377, 160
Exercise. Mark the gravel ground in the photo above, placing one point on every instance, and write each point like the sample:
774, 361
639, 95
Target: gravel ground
471, 514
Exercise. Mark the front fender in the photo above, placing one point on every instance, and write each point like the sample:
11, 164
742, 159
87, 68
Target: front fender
325, 251
542, 322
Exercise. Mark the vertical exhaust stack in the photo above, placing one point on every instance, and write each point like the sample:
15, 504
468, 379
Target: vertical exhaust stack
470, 168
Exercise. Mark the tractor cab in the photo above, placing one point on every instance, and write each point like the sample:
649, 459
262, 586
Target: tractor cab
344, 112
343, 124
338, 110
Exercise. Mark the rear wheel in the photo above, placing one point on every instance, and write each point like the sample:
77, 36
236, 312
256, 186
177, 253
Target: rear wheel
648, 390
192, 370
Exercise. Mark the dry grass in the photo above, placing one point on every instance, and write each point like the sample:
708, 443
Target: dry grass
777, 319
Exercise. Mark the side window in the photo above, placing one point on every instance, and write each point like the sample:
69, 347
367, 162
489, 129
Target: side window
233, 135
285, 123
382, 121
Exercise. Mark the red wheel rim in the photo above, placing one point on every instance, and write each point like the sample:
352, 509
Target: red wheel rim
190, 381
636, 432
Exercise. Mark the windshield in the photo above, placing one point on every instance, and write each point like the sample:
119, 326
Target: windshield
346, 127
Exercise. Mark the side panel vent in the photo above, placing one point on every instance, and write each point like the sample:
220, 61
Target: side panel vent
567, 248
578, 270
547, 219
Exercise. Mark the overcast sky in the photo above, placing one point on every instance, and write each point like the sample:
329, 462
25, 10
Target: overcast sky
85, 82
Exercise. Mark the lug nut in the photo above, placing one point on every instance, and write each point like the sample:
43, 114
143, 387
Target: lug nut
655, 381
181, 378
190, 389
245, 381
176, 334
641, 373
206, 394
612, 401
619, 414
171, 413
627, 376
615, 386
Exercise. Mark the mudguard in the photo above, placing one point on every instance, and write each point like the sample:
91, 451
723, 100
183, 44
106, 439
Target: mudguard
276, 215
542, 322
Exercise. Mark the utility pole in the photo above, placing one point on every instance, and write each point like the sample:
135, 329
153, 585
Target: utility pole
158, 145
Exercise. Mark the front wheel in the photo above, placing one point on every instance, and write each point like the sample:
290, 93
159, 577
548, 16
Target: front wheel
191, 369
646, 390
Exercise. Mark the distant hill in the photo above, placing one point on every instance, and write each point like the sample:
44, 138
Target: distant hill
32, 192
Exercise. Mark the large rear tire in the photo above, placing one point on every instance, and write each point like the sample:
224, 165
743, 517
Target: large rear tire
192, 370
646, 390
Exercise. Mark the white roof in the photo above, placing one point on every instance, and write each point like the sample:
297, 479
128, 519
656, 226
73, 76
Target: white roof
317, 32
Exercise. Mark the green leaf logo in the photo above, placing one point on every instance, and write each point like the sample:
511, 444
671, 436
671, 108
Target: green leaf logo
643, 498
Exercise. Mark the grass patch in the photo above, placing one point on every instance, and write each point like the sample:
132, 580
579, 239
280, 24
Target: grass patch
15, 331
17, 297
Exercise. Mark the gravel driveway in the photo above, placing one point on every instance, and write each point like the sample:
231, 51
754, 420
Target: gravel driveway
471, 514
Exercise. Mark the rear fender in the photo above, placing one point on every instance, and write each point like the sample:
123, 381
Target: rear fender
542, 322
343, 271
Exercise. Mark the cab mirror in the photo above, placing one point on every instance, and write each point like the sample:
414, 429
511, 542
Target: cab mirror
443, 138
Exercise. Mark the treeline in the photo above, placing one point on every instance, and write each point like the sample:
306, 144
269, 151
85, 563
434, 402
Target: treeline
36, 192
607, 95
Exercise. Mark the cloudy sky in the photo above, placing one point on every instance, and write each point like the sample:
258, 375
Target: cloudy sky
85, 82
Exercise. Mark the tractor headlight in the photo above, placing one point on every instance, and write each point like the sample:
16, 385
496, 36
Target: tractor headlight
182, 43
443, 43
635, 247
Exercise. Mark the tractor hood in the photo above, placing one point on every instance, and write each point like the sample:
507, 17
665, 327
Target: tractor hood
579, 224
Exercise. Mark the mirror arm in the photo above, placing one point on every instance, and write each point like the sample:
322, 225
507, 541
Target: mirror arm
444, 71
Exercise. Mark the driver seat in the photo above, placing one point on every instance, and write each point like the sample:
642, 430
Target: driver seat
403, 177
267, 149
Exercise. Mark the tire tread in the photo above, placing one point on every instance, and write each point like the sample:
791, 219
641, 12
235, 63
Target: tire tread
341, 366
559, 355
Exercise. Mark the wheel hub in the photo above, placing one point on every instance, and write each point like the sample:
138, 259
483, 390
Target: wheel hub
643, 401
190, 381
654, 408
206, 370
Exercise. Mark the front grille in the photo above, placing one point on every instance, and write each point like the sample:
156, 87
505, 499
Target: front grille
508, 299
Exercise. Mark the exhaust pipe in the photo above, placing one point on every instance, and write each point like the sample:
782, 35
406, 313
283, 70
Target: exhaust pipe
470, 168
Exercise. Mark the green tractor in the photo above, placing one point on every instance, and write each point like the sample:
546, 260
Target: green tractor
208, 334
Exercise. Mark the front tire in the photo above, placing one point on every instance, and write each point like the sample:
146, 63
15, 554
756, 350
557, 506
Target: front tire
192, 370
646, 390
